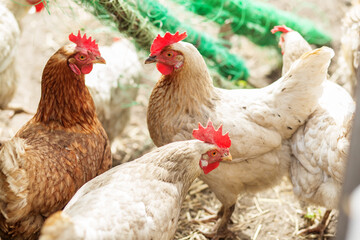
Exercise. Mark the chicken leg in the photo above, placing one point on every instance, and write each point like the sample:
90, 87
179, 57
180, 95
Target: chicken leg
212, 217
221, 230
319, 228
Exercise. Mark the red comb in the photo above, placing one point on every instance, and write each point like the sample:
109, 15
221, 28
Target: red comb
210, 135
40, 6
160, 42
283, 29
83, 43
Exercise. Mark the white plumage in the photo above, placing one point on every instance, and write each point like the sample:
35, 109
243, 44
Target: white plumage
260, 121
320, 146
11, 12
9, 38
114, 87
140, 199
349, 59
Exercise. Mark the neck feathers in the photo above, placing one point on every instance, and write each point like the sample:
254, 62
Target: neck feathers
65, 100
18, 8
176, 163
188, 92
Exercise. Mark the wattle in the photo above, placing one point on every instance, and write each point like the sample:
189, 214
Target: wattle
164, 69
210, 167
74, 68
86, 69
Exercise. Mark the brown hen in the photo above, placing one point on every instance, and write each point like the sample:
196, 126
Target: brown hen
62, 147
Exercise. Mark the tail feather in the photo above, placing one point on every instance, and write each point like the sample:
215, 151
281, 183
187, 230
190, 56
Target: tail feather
296, 94
58, 226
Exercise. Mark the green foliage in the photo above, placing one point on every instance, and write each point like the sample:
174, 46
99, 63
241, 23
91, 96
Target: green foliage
312, 215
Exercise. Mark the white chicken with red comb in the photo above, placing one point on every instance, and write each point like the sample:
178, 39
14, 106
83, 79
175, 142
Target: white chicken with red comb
11, 12
320, 146
260, 120
140, 199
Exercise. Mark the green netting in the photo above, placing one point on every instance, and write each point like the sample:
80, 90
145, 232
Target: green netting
228, 65
136, 19
132, 20
123, 17
255, 20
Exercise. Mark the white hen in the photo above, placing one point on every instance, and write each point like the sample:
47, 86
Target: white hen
349, 58
10, 13
114, 87
140, 199
320, 146
260, 120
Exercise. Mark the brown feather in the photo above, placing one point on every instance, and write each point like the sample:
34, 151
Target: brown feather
63, 146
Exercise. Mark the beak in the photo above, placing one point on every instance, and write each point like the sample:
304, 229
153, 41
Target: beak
99, 59
150, 59
227, 158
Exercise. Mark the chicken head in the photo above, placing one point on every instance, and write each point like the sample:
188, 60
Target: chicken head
87, 53
166, 58
212, 158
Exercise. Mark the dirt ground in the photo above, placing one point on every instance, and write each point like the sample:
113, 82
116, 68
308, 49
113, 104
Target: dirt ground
272, 214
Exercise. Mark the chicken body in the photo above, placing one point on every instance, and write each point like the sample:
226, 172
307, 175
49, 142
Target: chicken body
260, 120
320, 146
140, 199
117, 90
349, 59
10, 13
54, 154
10, 32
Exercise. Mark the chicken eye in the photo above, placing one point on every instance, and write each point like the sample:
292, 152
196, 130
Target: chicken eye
169, 54
213, 153
82, 57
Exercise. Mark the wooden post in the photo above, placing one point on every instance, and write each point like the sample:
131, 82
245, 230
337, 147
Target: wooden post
352, 173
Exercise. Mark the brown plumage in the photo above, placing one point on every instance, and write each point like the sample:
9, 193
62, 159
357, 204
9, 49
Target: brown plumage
62, 147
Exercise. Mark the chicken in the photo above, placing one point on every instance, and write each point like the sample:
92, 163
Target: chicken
10, 14
260, 120
140, 199
118, 89
320, 146
62, 147
349, 59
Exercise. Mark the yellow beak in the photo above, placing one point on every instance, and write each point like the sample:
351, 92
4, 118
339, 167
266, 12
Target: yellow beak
227, 158
99, 59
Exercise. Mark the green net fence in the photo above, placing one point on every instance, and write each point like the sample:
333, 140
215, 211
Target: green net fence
255, 20
137, 20
142, 20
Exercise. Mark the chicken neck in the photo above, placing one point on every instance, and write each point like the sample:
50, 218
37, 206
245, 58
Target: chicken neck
175, 163
187, 93
18, 8
65, 100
